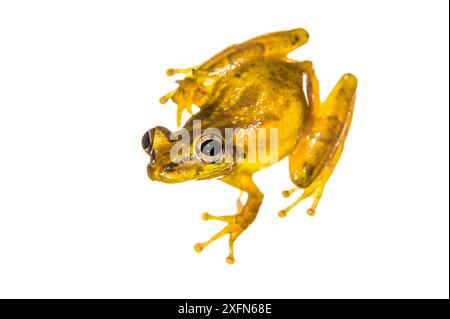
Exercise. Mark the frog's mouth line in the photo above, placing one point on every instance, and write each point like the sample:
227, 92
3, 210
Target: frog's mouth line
180, 172
217, 173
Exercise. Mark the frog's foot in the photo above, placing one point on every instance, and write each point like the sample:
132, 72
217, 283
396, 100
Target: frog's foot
181, 106
233, 228
315, 191
183, 96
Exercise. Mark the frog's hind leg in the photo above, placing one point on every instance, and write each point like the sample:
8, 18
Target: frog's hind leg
238, 223
320, 147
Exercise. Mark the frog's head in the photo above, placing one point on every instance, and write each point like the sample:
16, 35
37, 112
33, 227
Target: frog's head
201, 158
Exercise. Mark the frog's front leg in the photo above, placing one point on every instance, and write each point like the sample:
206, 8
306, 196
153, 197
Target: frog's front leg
320, 147
188, 93
199, 82
239, 222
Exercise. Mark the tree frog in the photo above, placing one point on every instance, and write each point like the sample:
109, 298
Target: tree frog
254, 86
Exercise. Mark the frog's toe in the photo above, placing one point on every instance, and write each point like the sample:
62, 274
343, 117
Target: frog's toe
180, 110
314, 191
186, 71
167, 97
227, 218
233, 229
288, 192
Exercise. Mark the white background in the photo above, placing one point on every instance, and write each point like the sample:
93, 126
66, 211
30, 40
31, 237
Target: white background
79, 85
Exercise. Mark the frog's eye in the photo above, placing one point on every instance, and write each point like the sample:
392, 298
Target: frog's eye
147, 143
210, 148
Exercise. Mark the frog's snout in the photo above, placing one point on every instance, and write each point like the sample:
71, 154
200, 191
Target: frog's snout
147, 142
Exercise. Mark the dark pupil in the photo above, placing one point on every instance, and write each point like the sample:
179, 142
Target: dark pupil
210, 147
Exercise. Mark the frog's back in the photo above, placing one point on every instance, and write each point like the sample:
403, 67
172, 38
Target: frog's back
266, 94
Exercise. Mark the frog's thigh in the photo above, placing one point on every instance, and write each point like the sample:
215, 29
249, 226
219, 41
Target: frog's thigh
320, 147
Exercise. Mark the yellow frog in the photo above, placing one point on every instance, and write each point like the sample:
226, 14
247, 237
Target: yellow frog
251, 87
